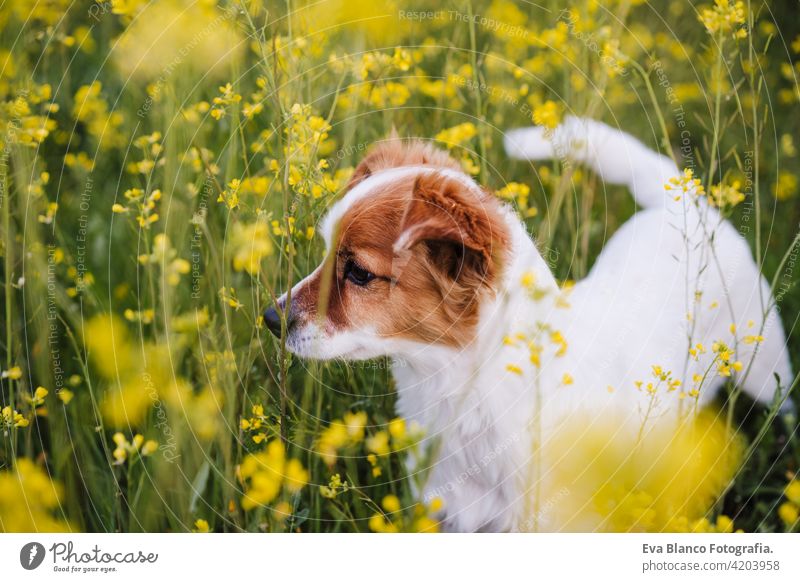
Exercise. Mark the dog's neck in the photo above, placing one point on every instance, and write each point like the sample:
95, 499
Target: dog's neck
468, 402
430, 377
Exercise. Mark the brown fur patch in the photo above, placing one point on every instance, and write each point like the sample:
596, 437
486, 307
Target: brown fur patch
395, 152
455, 240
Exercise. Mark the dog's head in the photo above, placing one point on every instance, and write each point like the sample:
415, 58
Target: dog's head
413, 247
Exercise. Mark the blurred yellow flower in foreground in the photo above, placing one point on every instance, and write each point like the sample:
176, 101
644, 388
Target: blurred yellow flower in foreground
789, 510
28, 500
666, 481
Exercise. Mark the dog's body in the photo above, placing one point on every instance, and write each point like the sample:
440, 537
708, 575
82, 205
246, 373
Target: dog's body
491, 356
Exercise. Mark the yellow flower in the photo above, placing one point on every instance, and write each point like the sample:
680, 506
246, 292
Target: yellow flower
334, 487
789, 513
567, 379
13, 373
458, 135
331, 440
378, 443
296, 476
786, 186
378, 524
726, 196
29, 500
149, 448
685, 184
391, 503
230, 196
355, 423
137, 446
397, 428
724, 17
11, 417
201, 526
249, 245
548, 114
263, 474
38, 396
792, 491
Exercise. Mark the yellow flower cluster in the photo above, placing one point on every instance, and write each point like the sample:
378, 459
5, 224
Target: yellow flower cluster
726, 196
724, 17
685, 184
20, 124
224, 101
334, 488
306, 135
548, 114
11, 417
660, 377
725, 359
255, 424
144, 205
666, 482
151, 148
165, 257
341, 433
92, 110
29, 499
132, 449
397, 437
520, 194
230, 196
265, 474
536, 342
414, 519
723, 524
457, 135
249, 245
789, 510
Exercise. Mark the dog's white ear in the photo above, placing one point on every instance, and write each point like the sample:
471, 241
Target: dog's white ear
456, 222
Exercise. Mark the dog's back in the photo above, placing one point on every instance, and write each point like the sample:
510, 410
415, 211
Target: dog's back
676, 287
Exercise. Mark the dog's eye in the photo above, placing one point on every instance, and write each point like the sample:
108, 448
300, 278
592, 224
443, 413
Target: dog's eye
356, 274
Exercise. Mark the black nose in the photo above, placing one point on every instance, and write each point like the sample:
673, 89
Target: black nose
273, 321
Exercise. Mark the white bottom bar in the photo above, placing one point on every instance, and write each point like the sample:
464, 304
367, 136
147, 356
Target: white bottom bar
616, 557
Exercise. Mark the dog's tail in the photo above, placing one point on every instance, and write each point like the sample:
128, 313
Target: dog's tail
616, 157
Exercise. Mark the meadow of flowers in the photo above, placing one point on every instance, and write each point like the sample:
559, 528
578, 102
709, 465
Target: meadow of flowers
164, 164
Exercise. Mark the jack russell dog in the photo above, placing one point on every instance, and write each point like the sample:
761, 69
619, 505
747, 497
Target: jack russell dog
491, 355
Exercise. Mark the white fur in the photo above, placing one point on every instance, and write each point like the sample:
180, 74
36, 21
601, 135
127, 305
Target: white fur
627, 315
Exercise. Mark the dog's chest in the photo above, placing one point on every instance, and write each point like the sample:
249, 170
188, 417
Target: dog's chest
478, 439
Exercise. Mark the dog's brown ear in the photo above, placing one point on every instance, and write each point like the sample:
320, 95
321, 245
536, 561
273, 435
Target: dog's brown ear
462, 227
